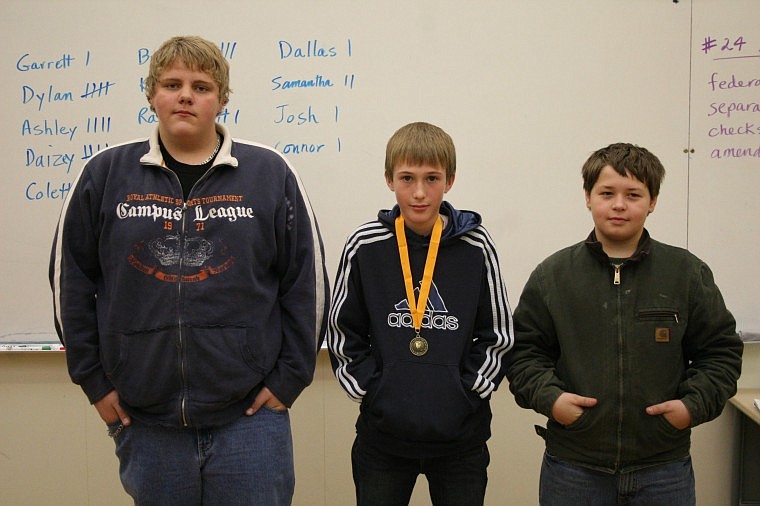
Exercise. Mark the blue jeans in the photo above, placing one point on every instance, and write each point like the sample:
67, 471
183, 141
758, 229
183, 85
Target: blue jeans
382, 479
670, 484
249, 461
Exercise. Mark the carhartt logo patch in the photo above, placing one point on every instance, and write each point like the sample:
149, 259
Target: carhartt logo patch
662, 335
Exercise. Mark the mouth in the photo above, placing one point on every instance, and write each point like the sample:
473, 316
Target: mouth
183, 113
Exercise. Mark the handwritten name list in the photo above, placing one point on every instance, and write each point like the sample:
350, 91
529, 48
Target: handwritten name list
307, 70
70, 112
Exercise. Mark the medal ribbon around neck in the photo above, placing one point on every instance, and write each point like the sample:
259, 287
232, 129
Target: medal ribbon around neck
417, 308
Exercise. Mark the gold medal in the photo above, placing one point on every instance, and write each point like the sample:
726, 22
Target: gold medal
418, 346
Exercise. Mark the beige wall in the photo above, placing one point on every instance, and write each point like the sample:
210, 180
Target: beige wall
54, 449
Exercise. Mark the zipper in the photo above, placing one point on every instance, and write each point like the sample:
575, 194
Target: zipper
620, 366
616, 280
180, 334
658, 314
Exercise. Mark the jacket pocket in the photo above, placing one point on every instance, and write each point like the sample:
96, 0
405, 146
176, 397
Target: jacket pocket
659, 325
657, 334
223, 364
666, 427
144, 367
658, 314
420, 402
580, 423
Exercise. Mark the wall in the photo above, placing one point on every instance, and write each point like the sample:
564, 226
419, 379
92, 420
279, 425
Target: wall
54, 448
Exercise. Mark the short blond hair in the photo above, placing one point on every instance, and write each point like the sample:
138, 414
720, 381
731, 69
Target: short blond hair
420, 143
197, 53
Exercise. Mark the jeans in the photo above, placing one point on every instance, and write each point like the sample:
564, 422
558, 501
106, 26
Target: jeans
248, 462
670, 484
382, 479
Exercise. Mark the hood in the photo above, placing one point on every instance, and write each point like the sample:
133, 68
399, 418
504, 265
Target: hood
460, 221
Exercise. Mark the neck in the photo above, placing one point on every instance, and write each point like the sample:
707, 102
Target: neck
427, 229
192, 151
620, 250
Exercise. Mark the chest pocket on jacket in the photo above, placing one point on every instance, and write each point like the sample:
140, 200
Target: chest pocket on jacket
659, 325
656, 347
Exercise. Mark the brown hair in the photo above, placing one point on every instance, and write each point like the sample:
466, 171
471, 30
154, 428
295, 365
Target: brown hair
420, 143
626, 159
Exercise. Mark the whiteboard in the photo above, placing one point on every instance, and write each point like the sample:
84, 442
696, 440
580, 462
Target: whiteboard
724, 175
527, 90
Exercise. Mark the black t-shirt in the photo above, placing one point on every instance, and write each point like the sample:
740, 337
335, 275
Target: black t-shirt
188, 174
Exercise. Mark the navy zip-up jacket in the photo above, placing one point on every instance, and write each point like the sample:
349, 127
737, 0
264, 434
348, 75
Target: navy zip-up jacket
189, 307
438, 403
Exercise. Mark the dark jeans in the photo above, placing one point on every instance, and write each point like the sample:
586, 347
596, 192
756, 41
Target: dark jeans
383, 479
670, 484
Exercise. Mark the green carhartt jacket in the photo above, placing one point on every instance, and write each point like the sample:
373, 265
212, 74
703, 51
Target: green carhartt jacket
652, 329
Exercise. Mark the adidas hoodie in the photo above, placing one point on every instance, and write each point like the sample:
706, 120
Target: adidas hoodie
437, 403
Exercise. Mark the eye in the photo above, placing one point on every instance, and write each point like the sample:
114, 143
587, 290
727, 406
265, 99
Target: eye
201, 88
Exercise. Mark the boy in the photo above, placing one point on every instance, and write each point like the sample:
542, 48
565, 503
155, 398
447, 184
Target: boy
624, 343
189, 290
417, 331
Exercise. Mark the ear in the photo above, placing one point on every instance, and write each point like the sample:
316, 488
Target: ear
449, 184
652, 205
588, 200
389, 182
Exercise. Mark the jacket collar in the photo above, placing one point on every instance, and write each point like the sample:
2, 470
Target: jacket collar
642, 249
224, 157
459, 221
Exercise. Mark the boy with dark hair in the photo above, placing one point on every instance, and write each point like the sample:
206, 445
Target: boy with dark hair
624, 343
417, 332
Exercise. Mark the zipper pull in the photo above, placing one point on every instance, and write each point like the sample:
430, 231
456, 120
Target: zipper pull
617, 267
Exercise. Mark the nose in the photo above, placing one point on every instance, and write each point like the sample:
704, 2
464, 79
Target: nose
185, 95
619, 202
419, 190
